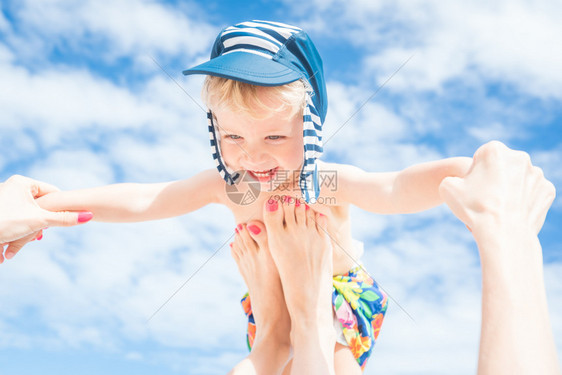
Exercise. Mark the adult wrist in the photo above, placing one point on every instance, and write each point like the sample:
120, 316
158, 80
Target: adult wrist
497, 228
509, 251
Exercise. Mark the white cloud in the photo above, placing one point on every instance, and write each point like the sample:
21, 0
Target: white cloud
376, 138
549, 161
74, 169
494, 131
4, 24
124, 28
154, 127
513, 42
6, 55
71, 100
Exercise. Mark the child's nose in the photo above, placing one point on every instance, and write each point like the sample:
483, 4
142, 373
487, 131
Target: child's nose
255, 154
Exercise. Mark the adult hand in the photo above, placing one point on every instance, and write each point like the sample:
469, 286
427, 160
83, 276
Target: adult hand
501, 188
21, 219
504, 200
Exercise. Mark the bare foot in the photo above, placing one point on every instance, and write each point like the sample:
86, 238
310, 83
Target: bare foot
302, 252
271, 347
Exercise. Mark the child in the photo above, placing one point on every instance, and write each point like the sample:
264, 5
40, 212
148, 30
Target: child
267, 102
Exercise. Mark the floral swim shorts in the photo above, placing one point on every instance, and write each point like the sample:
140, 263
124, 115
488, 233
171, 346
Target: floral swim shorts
359, 305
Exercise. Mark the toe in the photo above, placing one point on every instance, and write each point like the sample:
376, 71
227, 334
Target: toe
237, 247
321, 223
247, 240
322, 230
258, 232
289, 210
300, 212
310, 217
233, 252
273, 213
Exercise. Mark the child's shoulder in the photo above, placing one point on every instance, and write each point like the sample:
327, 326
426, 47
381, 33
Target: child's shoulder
343, 172
347, 183
209, 176
334, 178
208, 183
326, 166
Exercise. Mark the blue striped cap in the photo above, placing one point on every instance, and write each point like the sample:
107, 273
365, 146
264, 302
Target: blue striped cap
268, 53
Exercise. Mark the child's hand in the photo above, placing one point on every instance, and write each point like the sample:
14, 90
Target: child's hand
21, 219
501, 189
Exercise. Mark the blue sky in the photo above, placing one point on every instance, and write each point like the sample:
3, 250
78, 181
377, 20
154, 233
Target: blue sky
84, 104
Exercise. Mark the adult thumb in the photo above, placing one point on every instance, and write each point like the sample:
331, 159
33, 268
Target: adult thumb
450, 188
67, 219
452, 192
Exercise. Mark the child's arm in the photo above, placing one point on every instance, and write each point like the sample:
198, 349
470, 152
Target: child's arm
411, 190
139, 202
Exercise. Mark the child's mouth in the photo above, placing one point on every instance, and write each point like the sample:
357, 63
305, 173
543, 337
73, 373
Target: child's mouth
263, 176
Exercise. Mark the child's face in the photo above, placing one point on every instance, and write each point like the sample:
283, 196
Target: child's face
269, 148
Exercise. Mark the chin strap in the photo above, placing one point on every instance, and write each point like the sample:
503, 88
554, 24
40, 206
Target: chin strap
312, 135
229, 176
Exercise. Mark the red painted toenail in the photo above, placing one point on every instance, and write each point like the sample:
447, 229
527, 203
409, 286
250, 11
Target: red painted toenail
240, 227
271, 205
307, 207
297, 202
254, 229
231, 245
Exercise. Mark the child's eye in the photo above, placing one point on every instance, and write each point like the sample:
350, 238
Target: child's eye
275, 137
232, 136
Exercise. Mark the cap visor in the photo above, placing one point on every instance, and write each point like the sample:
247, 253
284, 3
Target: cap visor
247, 67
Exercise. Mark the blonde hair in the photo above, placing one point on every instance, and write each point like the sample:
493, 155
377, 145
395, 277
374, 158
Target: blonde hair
219, 93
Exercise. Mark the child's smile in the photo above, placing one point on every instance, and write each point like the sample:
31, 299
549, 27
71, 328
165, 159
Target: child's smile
264, 176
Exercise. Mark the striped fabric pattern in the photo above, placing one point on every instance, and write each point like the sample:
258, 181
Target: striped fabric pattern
229, 176
312, 133
265, 38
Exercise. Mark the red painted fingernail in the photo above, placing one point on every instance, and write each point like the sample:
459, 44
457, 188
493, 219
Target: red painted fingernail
306, 207
84, 217
254, 229
297, 202
271, 205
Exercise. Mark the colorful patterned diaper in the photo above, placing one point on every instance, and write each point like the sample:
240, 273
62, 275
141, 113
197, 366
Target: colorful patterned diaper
359, 305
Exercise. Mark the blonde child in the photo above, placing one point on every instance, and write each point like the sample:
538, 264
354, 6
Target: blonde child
267, 102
